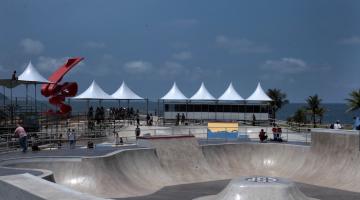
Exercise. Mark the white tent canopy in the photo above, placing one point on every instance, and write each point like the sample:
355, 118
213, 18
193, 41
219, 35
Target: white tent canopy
202, 94
259, 95
174, 94
230, 94
94, 91
30, 74
124, 92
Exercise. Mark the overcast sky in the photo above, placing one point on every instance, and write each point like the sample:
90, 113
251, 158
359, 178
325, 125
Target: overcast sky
302, 47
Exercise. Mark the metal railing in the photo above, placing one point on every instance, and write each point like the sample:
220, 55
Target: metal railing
53, 130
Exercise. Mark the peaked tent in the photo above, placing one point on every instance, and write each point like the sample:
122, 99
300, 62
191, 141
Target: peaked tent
259, 95
124, 92
31, 75
230, 94
174, 94
94, 91
202, 94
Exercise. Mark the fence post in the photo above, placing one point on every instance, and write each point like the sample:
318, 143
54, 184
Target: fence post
287, 135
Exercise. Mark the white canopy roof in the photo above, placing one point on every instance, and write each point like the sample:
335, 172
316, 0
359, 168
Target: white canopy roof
230, 94
30, 74
202, 94
174, 94
94, 91
259, 95
124, 92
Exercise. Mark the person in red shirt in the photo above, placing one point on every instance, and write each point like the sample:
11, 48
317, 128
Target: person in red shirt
21, 134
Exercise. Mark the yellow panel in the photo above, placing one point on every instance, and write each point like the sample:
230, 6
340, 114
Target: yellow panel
223, 126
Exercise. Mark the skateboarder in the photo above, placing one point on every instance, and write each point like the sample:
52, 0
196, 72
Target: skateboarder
21, 133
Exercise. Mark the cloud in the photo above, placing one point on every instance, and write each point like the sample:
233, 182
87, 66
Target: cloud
184, 55
355, 40
242, 45
49, 64
179, 45
186, 23
172, 69
137, 66
31, 46
285, 66
95, 45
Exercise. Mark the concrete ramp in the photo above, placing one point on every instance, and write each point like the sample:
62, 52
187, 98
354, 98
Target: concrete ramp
332, 161
181, 157
29, 187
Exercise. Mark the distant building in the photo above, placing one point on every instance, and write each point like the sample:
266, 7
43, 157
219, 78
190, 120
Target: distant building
228, 107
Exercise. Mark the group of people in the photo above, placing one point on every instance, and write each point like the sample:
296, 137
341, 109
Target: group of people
99, 114
23, 138
276, 131
180, 119
336, 125
122, 113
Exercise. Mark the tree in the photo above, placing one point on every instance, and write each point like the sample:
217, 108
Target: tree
320, 112
300, 115
278, 100
354, 101
313, 106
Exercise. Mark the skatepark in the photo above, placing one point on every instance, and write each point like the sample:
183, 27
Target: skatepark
178, 167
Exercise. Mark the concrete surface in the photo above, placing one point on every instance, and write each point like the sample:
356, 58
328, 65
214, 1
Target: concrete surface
194, 190
258, 188
332, 161
26, 186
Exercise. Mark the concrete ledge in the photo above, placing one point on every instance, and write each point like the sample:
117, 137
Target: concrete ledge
29, 187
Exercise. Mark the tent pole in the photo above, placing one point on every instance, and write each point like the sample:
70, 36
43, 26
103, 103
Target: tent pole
147, 106
216, 103
35, 99
26, 99
186, 108
4, 97
164, 112
11, 105
158, 107
88, 105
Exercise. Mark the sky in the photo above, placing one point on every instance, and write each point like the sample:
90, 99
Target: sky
302, 47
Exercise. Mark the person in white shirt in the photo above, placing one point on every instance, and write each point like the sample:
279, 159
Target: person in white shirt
72, 139
337, 125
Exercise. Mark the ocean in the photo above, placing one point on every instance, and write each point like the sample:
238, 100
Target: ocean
334, 111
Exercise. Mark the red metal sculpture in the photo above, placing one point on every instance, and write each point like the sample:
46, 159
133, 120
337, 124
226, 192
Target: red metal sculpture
56, 91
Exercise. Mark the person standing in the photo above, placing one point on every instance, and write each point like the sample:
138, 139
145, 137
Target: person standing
21, 133
137, 119
356, 125
137, 131
183, 119
14, 77
72, 139
117, 138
